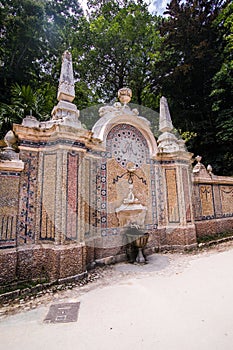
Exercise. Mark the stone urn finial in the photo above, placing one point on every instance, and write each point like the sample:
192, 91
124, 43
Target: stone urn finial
10, 139
198, 159
199, 167
125, 95
209, 169
9, 152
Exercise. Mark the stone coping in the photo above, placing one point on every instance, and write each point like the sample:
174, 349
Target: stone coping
11, 165
215, 180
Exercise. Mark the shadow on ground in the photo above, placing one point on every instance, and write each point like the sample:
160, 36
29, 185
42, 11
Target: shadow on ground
155, 262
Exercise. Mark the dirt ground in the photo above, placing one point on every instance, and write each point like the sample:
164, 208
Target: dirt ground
176, 301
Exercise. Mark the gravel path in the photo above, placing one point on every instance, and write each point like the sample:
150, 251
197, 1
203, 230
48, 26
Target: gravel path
176, 301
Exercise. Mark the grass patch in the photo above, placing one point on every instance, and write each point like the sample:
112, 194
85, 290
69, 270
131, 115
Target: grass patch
20, 285
217, 236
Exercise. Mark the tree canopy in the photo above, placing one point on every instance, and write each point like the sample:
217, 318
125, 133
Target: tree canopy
191, 59
33, 34
185, 56
119, 45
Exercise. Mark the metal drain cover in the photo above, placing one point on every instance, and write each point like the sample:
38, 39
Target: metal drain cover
62, 313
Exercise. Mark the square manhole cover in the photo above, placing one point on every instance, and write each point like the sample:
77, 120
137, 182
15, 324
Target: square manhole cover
62, 313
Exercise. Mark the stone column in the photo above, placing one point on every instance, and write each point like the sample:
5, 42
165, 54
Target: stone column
81, 199
180, 229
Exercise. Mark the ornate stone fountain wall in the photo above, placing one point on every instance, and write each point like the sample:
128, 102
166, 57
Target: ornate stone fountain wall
65, 190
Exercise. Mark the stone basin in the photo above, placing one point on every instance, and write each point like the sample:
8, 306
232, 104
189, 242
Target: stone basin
139, 240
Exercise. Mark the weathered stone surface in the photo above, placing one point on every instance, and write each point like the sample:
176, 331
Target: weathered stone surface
9, 157
30, 122
167, 141
214, 226
165, 122
62, 199
66, 83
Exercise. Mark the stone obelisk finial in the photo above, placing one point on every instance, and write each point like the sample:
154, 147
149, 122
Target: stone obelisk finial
66, 112
66, 84
165, 122
167, 141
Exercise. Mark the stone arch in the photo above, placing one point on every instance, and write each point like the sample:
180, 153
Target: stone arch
104, 125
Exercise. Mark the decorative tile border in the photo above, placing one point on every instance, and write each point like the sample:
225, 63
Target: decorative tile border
38, 144
103, 189
72, 196
10, 173
27, 203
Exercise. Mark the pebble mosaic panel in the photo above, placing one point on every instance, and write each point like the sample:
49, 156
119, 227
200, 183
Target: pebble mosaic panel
8, 229
160, 195
217, 201
86, 194
213, 201
172, 197
103, 191
98, 195
196, 200
93, 196
153, 197
72, 196
9, 188
9, 201
226, 193
48, 197
186, 194
206, 196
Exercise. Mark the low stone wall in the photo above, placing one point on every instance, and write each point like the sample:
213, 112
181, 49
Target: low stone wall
8, 263
214, 226
42, 263
212, 202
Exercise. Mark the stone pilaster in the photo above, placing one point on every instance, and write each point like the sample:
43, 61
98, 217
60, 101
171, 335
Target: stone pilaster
81, 199
179, 221
59, 216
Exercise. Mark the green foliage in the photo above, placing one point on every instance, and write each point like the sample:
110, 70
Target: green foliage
119, 43
20, 41
25, 101
191, 56
85, 97
185, 56
222, 93
222, 87
34, 34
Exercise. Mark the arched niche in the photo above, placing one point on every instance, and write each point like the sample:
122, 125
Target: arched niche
105, 124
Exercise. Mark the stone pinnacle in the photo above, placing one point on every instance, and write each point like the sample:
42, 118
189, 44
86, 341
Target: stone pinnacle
66, 83
165, 122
